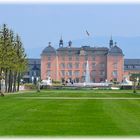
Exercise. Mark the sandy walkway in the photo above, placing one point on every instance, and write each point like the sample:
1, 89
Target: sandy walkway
81, 98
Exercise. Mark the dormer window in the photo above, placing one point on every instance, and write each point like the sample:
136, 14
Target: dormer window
82, 52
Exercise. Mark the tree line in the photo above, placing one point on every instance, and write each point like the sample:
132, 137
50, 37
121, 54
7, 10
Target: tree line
13, 60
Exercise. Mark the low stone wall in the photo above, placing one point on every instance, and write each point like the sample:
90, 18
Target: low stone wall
75, 87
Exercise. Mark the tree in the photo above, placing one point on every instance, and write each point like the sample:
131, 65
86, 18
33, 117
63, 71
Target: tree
12, 58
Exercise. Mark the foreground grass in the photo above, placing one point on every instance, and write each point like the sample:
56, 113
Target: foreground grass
20, 117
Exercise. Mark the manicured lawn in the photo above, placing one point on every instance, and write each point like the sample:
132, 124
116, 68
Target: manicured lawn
20, 116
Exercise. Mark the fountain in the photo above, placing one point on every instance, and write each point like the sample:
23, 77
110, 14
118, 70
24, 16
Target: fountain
88, 82
126, 81
87, 75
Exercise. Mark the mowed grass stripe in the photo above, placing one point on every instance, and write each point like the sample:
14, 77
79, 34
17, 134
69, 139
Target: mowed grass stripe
124, 115
78, 93
29, 117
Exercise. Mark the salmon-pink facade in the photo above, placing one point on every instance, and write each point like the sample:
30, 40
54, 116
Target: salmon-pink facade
115, 70
69, 63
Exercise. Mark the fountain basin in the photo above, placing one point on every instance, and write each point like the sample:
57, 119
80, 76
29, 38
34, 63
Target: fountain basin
90, 84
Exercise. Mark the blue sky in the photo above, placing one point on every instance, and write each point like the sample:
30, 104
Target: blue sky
37, 24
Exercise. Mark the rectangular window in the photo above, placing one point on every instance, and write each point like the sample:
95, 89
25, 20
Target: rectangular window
125, 67
76, 65
93, 65
102, 65
70, 58
86, 58
115, 65
62, 73
115, 73
63, 58
115, 59
69, 73
84, 73
62, 65
101, 80
69, 52
137, 66
93, 73
77, 58
70, 65
84, 65
102, 73
76, 73
93, 58
49, 65
93, 79
37, 73
49, 58
130, 66
48, 72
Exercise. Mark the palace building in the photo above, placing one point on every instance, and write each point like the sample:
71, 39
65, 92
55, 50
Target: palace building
105, 63
69, 62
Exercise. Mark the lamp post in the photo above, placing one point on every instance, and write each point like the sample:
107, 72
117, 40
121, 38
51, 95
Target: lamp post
34, 78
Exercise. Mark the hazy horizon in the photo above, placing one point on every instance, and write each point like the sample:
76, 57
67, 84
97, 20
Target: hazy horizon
38, 24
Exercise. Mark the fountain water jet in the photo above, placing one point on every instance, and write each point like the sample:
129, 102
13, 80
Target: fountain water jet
88, 82
87, 75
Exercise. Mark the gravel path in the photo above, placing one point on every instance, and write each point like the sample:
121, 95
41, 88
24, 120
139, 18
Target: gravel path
81, 98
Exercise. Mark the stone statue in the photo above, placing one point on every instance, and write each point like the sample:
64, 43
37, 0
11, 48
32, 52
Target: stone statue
49, 81
126, 81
